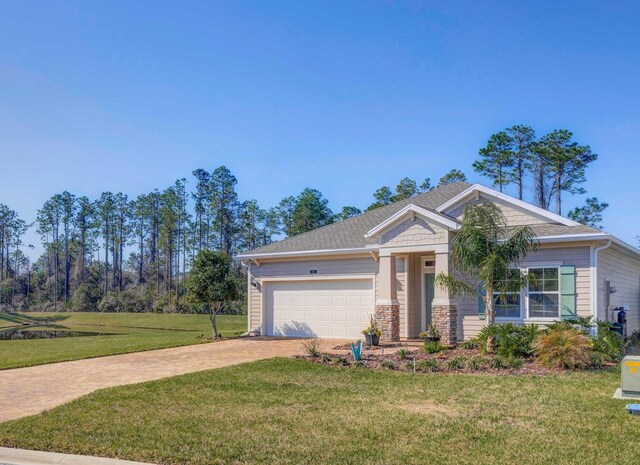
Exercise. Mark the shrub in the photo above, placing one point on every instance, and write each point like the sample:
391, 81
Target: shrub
432, 332
599, 360
510, 340
470, 344
433, 347
340, 361
404, 353
429, 365
608, 342
387, 364
583, 323
124, 301
358, 363
499, 362
312, 347
563, 346
634, 339
457, 363
515, 363
477, 362
326, 358
408, 366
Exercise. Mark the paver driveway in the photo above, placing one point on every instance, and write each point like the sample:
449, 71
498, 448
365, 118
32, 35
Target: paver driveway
27, 391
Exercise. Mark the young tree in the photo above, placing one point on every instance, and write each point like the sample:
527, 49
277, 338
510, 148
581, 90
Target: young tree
311, 212
589, 214
451, 177
484, 253
211, 284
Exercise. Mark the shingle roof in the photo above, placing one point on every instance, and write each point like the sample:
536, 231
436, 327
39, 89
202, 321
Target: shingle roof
550, 229
349, 233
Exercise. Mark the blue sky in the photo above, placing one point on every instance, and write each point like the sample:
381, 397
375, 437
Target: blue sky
340, 96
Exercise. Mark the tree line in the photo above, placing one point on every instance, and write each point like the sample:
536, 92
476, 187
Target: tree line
115, 253
553, 165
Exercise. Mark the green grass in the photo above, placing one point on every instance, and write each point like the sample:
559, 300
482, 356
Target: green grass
128, 332
293, 412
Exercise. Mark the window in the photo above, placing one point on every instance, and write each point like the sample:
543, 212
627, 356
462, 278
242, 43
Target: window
507, 305
544, 293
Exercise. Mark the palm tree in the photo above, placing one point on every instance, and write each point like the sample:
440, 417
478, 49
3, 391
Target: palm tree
484, 254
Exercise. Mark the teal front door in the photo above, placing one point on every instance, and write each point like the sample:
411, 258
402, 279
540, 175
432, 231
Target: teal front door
429, 280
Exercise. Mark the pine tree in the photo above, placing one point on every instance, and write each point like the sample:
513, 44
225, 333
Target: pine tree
497, 160
311, 211
451, 177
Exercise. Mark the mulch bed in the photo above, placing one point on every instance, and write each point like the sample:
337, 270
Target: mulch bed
440, 362
366, 347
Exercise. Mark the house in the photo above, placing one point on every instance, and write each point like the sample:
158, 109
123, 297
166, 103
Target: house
327, 282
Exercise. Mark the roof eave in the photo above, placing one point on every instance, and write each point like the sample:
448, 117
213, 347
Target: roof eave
307, 253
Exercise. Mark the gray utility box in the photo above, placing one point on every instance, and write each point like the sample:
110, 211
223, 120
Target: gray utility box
631, 376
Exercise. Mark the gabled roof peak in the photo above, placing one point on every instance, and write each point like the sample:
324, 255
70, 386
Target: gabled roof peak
412, 210
494, 194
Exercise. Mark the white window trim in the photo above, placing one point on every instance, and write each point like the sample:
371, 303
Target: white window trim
548, 319
524, 297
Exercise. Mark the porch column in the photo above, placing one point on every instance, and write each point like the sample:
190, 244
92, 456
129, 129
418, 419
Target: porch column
387, 305
443, 311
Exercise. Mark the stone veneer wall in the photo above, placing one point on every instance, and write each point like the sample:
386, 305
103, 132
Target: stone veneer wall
388, 318
445, 318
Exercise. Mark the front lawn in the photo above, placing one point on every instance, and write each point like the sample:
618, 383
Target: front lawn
293, 411
118, 333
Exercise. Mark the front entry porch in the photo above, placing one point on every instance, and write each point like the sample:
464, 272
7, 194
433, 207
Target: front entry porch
408, 300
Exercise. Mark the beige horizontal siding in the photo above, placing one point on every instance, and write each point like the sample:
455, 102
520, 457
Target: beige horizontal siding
513, 215
623, 271
468, 322
414, 232
580, 257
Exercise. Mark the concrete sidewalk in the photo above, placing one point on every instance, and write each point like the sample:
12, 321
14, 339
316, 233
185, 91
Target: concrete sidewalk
34, 457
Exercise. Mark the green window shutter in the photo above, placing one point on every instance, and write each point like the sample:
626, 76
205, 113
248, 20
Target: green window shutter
481, 310
568, 292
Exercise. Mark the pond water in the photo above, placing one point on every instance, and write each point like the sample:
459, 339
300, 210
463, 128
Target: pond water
19, 334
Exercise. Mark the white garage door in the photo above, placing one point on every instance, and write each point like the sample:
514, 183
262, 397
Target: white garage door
331, 309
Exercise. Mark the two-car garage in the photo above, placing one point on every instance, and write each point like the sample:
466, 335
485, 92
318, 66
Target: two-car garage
327, 308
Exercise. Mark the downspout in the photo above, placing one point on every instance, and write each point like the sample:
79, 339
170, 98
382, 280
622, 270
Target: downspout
248, 267
594, 282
